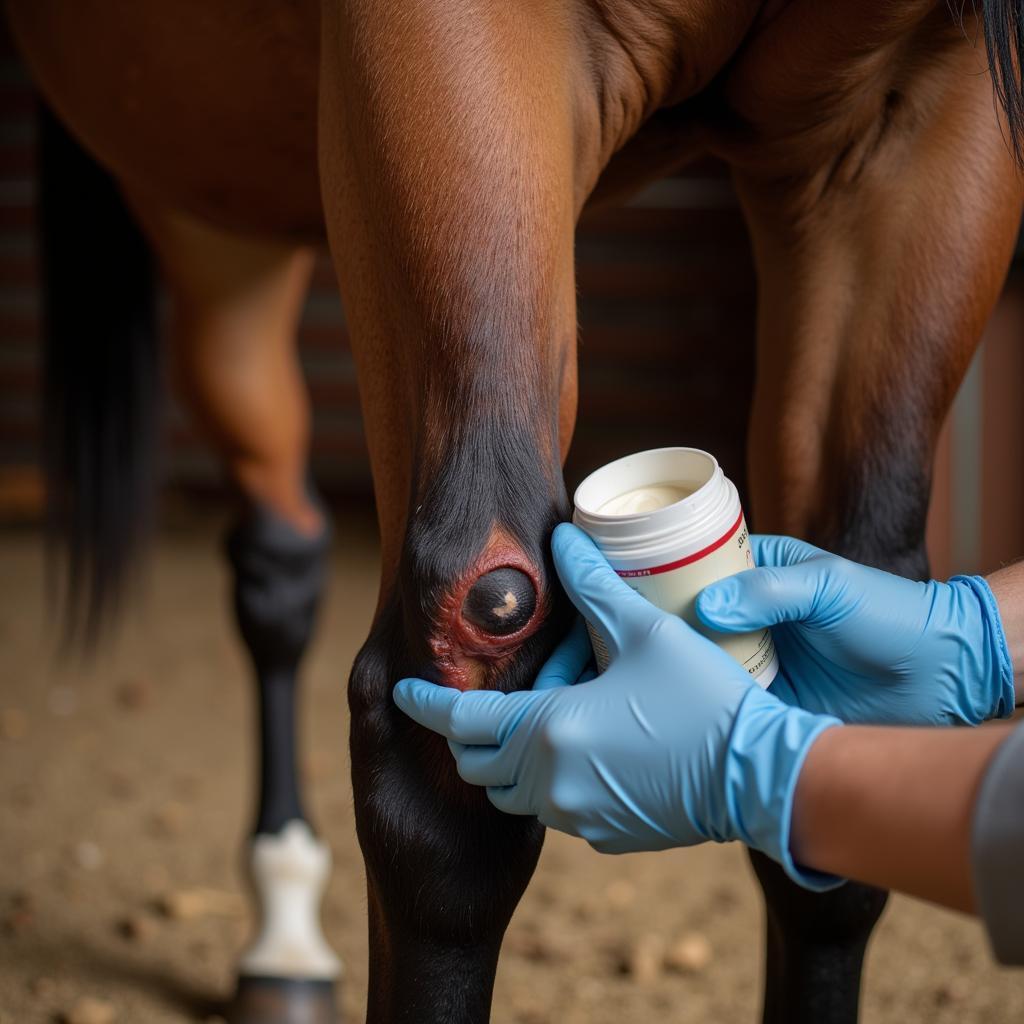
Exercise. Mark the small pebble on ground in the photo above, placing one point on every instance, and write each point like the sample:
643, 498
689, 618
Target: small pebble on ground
689, 954
89, 1010
190, 904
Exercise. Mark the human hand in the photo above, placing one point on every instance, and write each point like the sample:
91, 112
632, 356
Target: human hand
865, 645
672, 745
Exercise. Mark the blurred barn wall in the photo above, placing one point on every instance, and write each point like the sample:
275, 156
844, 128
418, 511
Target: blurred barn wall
667, 296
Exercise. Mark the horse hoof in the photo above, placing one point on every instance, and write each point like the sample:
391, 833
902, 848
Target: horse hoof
501, 602
283, 1001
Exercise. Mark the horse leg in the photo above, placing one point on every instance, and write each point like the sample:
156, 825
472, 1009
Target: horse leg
875, 283
288, 974
235, 309
447, 172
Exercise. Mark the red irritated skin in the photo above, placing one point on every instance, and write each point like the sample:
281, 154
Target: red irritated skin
468, 657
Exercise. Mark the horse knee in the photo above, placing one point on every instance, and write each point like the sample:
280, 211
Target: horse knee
483, 618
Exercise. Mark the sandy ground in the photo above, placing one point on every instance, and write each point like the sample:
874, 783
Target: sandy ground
127, 788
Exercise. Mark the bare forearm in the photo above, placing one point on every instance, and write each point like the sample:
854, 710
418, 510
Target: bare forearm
1008, 588
893, 807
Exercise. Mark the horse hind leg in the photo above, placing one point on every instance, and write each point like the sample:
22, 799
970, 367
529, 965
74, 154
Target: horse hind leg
289, 968
235, 308
873, 301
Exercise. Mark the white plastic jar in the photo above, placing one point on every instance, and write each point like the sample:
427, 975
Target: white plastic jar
669, 521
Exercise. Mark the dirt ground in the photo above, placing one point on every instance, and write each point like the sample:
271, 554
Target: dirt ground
125, 792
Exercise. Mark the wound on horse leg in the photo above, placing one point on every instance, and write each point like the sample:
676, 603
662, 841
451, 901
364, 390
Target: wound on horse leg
487, 613
500, 602
476, 583
279, 576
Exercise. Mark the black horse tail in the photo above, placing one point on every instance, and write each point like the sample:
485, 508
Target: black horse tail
102, 390
1004, 39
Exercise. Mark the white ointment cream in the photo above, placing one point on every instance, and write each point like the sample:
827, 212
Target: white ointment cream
669, 521
645, 499
289, 871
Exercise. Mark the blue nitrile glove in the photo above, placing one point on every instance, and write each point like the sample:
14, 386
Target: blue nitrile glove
672, 745
865, 645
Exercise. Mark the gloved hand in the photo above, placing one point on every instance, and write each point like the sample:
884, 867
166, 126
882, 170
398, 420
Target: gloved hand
865, 645
672, 745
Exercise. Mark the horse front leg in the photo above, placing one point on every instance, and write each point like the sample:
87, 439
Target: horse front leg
876, 282
447, 169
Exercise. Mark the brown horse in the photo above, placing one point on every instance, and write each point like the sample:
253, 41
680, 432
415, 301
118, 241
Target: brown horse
447, 148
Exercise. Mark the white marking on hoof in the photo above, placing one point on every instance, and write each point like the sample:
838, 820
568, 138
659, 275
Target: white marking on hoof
289, 872
503, 611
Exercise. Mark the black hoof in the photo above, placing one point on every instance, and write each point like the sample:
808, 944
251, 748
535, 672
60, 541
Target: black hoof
500, 602
283, 1001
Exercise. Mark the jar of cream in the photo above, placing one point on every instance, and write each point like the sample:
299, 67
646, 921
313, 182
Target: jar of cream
669, 521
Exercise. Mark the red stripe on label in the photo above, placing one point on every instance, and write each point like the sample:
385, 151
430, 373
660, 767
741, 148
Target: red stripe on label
679, 563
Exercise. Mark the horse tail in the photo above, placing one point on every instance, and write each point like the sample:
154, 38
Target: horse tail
1004, 39
101, 370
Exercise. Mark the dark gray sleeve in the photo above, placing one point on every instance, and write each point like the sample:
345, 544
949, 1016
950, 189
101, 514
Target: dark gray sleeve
998, 850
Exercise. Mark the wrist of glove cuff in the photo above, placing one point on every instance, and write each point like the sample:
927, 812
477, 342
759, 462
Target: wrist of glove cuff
766, 752
985, 657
